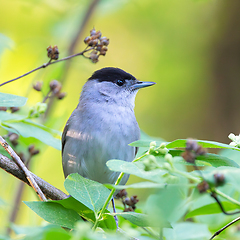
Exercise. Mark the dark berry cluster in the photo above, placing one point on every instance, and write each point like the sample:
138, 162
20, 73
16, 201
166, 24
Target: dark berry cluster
192, 151
52, 52
129, 203
98, 43
12, 109
14, 140
54, 89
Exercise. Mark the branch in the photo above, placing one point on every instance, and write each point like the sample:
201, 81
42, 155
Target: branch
47, 64
20, 163
49, 191
222, 229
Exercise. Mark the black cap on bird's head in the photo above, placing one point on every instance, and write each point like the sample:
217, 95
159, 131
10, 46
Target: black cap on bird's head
110, 73
119, 77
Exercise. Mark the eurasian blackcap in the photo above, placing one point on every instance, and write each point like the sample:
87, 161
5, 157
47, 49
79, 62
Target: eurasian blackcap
102, 126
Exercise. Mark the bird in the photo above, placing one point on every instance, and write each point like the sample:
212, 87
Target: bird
102, 126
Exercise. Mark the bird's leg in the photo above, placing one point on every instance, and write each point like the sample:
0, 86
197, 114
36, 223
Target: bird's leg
114, 210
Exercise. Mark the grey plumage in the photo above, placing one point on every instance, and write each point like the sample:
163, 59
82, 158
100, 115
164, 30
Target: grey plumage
102, 126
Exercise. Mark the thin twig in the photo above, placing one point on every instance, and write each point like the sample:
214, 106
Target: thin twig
222, 229
25, 74
47, 64
213, 194
19, 162
49, 191
47, 96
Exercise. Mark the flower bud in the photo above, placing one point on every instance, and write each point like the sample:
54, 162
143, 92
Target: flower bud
3, 109
14, 109
61, 95
37, 86
13, 137
167, 166
94, 56
41, 107
152, 147
219, 179
57, 89
129, 209
203, 186
53, 84
93, 32
168, 157
94, 42
87, 40
189, 156
134, 199
121, 194
32, 150
52, 52
98, 34
104, 41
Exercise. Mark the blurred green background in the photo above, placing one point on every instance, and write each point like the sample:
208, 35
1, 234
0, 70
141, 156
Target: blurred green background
190, 48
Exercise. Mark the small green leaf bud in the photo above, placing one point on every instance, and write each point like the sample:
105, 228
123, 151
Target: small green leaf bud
150, 163
162, 145
41, 107
152, 147
163, 151
168, 157
167, 166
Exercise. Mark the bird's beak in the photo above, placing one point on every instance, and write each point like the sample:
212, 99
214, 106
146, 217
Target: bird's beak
140, 84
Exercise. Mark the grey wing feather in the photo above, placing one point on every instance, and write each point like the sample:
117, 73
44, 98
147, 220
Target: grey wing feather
136, 150
64, 135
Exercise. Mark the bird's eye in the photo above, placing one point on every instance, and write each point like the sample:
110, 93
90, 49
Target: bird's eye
120, 82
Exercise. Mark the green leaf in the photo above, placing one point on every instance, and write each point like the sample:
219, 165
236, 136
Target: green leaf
108, 222
144, 143
212, 208
138, 219
132, 168
187, 231
10, 100
55, 213
209, 159
146, 140
72, 203
30, 129
167, 205
181, 143
26, 230
49, 231
90, 193
5, 42
136, 185
6, 116
217, 160
56, 234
